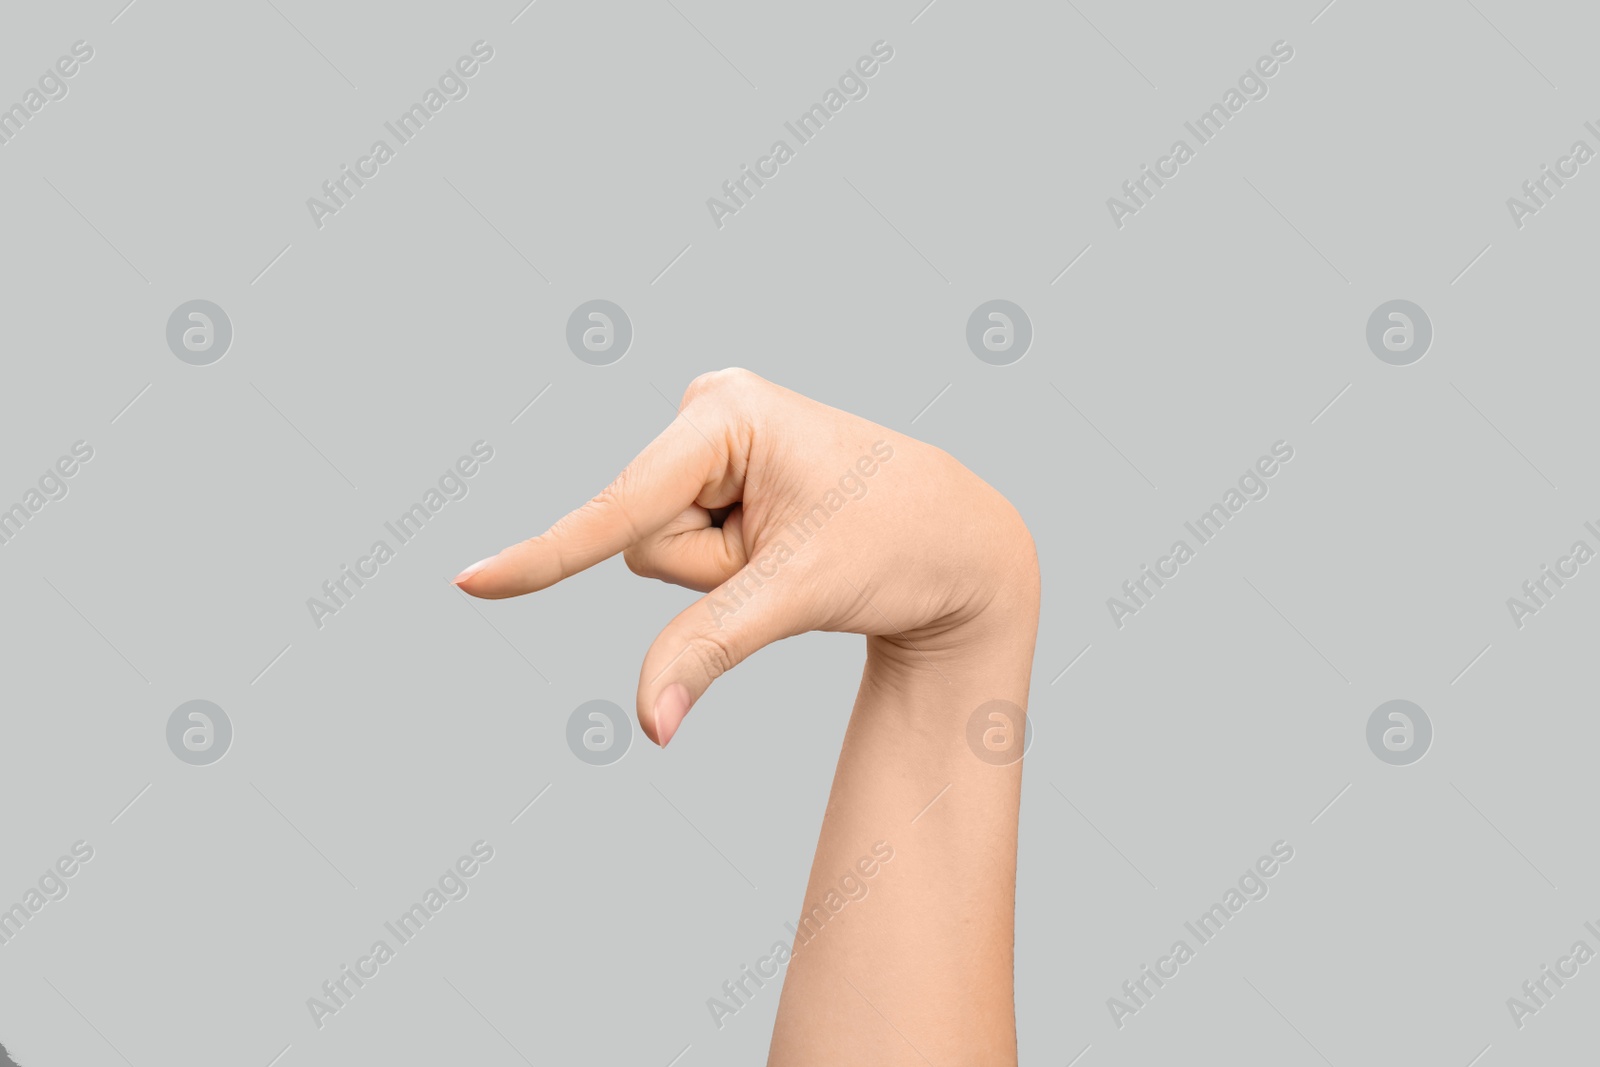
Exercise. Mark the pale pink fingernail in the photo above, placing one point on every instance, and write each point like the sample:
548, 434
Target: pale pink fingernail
470, 571
671, 706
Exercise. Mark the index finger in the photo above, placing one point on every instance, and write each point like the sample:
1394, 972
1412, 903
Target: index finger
670, 474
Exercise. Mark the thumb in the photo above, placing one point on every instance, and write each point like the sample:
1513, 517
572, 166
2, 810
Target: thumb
705, 641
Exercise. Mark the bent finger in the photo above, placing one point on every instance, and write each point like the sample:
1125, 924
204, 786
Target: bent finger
690, 551
708, 639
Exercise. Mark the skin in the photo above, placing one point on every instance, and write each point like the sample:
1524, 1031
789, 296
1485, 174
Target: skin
762, 499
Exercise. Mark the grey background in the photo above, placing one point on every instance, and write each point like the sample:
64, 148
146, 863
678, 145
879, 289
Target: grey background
370, 354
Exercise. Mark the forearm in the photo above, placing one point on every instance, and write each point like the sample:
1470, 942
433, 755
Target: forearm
921, 966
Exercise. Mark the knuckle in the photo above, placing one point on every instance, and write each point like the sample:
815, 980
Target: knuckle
727, 380
713, 653
609, 504
702, 385
617, 489
608, 498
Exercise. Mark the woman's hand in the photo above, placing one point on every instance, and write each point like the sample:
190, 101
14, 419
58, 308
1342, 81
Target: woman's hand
791, 516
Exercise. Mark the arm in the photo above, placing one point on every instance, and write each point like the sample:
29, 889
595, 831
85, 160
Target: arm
920, 970
793, 516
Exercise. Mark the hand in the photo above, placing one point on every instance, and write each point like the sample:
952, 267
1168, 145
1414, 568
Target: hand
792, 516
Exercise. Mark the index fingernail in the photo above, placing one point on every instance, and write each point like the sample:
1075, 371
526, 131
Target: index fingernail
470, 571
